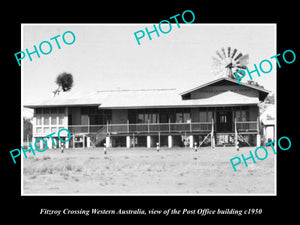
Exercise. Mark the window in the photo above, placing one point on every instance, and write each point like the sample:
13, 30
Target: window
53, 129
209, 116
84, 120
241, 115
38, 130
183, 117
148, 117
46, 120
179, 118
38, 120
53, 120
206, 116
244, 115
186, 117
61, 120
202, 116
46, 130
155, 118
223, 119
140, 118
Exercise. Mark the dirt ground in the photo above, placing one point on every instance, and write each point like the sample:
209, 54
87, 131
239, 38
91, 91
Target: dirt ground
146, 171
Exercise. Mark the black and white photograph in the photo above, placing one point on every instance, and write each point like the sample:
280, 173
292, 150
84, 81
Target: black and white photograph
134, 112
172, 109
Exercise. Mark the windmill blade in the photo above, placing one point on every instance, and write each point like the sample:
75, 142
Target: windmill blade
238, 56
219, 55
217, 62
217, 66
234, 51
223, 50
229, 51
243, 60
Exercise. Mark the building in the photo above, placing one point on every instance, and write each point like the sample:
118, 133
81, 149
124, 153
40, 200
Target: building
208, 115
268, 122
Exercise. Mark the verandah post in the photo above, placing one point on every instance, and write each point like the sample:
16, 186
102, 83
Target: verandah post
236, 136
212, 137
258, 138
107, 126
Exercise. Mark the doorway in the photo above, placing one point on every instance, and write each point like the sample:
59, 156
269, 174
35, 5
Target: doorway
224, 121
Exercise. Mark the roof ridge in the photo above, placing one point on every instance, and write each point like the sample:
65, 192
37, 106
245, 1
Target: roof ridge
150, 89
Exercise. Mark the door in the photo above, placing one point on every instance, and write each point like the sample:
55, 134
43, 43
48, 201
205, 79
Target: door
224, 121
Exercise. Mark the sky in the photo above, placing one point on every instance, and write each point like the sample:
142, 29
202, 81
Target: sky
108, 57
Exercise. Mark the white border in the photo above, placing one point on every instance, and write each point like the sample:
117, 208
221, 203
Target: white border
117, 24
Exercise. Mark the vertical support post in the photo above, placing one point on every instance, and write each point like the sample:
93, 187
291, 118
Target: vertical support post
258, 136
49, 143
191, 138
169, 126
33, 140
133, 140
148, 127
127, 141
170, 141
88, 141
236, 135
159, 138
66, 144
107, 141
212, 136
107, 126
73, 142
148, 141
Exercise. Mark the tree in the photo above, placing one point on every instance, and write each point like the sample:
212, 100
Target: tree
27, 129
269, 100
64, 82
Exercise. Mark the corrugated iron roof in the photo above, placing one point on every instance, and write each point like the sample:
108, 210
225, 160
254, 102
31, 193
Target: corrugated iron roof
149, 98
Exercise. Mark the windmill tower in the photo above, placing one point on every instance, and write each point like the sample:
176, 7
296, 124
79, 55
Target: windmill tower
227, 63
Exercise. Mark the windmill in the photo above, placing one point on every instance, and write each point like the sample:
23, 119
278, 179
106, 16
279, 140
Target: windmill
228, 62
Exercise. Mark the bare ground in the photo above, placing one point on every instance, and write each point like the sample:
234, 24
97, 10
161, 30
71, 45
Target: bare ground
145, 171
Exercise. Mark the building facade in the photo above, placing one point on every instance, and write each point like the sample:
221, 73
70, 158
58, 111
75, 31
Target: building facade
216, 113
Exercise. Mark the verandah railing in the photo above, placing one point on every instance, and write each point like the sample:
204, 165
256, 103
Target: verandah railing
246, 126
157, 127
141, 127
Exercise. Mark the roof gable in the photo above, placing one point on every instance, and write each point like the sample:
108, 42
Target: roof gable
262, 93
